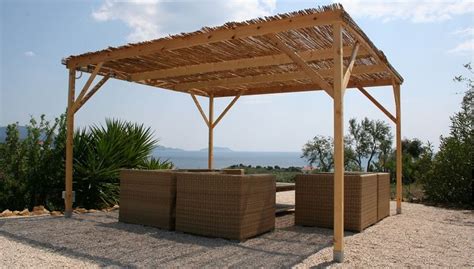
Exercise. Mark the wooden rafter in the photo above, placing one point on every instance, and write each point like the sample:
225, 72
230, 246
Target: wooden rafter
377, 104
348, 71
80, 102
279, 59
300, 75
200, 110
243, 31
310, 72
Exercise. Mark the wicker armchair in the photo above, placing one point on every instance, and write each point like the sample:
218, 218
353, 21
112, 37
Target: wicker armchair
224, 205
314, 200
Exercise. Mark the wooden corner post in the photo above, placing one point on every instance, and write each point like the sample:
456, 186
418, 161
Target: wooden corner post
69, 143
338, 96
210, 159
396, 93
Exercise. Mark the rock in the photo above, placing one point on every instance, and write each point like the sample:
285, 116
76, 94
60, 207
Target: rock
40, 210
115, 207
92, 211
24, 212
80, 210
6, 213
56, 213
16, 212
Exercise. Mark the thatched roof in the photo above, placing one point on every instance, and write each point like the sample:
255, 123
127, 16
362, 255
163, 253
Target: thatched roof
240, 56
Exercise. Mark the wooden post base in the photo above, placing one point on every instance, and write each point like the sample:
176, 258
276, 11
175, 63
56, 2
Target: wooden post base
338, 256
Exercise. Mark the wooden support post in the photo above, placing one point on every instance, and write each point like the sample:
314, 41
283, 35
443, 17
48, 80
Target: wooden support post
338, 95
396, 92
210, 159
69, 144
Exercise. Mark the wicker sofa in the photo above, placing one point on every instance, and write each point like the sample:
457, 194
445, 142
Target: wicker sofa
225, 205
366, 200
148, 197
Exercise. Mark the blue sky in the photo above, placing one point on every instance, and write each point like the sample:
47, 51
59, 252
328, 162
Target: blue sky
427, 42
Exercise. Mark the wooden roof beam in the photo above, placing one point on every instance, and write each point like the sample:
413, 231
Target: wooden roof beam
227, 82
217, 35
310, 72
299, 88
279, 59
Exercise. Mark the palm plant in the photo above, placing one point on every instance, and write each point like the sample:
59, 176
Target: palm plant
102, 151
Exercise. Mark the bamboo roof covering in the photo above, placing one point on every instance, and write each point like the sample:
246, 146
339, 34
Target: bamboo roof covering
244, 58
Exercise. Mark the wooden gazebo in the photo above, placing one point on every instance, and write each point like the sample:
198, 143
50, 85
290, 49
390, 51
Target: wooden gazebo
319, 49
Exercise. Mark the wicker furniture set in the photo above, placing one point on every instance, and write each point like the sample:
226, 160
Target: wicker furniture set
229, 204
366, 199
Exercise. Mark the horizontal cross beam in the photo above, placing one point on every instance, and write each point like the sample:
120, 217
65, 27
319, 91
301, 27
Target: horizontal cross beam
273, 78
303, 87
279, 59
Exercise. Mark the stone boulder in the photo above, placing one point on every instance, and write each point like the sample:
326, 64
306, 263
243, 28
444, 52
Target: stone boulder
24, 212
6, 213
40, 210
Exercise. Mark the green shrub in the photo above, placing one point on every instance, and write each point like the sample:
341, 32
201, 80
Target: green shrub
450, 179
32, 170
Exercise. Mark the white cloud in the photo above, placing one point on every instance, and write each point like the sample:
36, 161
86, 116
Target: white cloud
29, 53
415, 11
149, 19
466, 46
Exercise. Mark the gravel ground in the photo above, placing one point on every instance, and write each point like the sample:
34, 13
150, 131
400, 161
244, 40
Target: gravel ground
422, 236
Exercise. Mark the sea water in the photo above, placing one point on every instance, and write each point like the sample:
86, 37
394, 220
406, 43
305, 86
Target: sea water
198, 159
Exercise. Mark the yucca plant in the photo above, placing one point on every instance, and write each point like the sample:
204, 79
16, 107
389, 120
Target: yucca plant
101, 152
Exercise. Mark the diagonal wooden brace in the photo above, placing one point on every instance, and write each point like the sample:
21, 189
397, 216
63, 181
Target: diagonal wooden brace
377, 104
80, 102
227, 108
348, 72
200, 110
89, 81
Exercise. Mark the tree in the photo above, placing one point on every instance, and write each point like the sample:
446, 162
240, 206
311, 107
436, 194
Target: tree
319, 151
369, 140
450, 179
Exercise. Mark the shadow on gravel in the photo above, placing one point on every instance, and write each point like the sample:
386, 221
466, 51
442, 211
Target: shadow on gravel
100, 238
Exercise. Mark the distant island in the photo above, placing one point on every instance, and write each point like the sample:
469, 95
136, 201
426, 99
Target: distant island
163, 148
168, 149
218, 149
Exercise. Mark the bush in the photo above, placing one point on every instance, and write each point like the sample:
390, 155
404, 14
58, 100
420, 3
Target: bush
32, 170
450, 179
